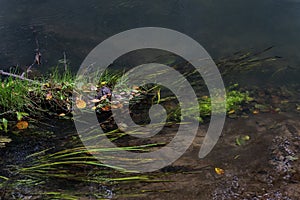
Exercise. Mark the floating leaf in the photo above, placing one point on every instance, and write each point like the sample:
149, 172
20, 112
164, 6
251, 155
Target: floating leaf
219, 171
80, 104
22, 125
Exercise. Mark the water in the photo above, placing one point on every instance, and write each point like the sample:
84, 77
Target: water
222, 27
76, 27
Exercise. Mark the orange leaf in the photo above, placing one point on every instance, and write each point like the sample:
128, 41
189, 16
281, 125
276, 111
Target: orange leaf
80, 104
106, 108
22, 125
219, 171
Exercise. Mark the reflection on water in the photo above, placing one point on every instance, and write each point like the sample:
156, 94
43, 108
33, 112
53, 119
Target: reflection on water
75, 27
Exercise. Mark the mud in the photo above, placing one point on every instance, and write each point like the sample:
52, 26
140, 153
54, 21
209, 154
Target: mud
265, 167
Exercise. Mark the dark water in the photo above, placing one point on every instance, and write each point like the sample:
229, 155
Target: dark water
76, 27
222, 27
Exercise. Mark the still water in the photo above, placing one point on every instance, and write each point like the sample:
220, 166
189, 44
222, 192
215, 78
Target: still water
76, 27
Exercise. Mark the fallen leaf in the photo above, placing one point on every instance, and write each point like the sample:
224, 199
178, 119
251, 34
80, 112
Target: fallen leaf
116, 106
95, 100
135, 87
106, 108
47, 85
219, 171
93, 88
255, 112
80, 104
231, 111
49, 96
22, 125
62, 114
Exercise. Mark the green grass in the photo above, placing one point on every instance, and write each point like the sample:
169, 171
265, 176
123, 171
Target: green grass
14, 95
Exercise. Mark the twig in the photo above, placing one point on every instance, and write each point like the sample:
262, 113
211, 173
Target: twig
18, 76
5, 113
65, 61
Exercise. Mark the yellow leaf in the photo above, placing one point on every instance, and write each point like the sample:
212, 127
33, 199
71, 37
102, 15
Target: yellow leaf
47, 85
94, 107
80, 104
231, 111
22, 125
62, 114
255, 112
219, 171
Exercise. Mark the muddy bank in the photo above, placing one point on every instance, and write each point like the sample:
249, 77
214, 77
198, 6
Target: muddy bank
265, 167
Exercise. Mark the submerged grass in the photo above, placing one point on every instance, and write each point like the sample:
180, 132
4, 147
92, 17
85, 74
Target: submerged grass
74, 165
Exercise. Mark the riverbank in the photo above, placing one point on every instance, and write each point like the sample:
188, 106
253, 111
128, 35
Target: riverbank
43, 152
